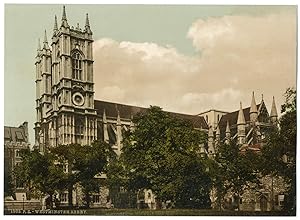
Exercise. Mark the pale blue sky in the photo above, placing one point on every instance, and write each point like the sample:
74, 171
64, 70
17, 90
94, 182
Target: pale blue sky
162, 25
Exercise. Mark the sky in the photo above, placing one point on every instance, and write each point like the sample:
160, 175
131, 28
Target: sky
184, 59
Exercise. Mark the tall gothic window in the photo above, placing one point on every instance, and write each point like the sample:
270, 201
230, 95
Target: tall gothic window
76, 66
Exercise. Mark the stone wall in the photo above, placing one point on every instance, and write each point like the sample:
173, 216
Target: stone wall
20, 205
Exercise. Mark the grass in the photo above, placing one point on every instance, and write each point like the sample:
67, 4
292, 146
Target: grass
178, 212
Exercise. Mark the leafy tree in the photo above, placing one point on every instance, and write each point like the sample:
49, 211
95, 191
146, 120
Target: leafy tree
117, 181
161, 154
84, 163
38, 171
279, 154
8, 183
233, 170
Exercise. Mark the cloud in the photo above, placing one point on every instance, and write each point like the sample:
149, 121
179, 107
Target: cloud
252, 50
237, 55
142, 73
214, 100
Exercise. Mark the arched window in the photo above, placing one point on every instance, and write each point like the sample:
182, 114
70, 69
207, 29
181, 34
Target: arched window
76, 66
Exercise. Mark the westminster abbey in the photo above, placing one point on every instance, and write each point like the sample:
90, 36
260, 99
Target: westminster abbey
67, 112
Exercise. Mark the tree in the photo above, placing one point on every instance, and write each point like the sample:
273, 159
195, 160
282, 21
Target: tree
161, 154
279, 154
38, 171
84, 163
117, 181
8, 183
233, 170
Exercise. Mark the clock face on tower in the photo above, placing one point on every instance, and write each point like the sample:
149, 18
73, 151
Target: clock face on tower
78, 99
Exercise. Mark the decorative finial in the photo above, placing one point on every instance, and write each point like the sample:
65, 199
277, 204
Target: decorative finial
55, 25
87, 22
39, 45
241, 117
273, 109
87, 25
45, 37
118, 118
253, 107
227, 127
46, 46
77, 27
64, 22
64, 16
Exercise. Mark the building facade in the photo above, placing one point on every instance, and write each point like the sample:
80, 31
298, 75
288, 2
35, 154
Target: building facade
67, 112
65, 106
15, 140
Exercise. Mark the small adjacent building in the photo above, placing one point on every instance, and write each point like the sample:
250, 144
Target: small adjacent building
15, 140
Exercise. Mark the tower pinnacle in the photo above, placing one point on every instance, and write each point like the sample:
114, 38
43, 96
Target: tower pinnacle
64, 22
241, 126
253, 110
118, 118
55, 29
87, 24
45, 46
227, 133
227, 128
39, 45
273, 114
38, 48
241, 117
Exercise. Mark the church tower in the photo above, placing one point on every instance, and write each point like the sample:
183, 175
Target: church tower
65, 87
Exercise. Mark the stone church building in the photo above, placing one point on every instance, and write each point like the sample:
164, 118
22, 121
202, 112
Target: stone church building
67, 112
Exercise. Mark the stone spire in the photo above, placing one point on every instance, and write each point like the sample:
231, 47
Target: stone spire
218, 138
46, 46
227, 128
64, 22
253, 110
118, 119
55, 28
241, 117
38, 47
119, 134
87, 24
262, 99
273, 114
241, 126
218, 132
105, 130
227, 133
211, 148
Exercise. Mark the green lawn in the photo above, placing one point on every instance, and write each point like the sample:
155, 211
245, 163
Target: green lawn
178, 212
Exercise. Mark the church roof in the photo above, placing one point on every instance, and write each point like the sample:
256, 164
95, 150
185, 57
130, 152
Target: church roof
127, 111
233, 116
14, 134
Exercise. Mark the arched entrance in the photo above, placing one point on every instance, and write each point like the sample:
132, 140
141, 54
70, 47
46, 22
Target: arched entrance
263, 203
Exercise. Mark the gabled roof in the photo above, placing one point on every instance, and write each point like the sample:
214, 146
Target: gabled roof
127, 111
14, 134
111, 109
